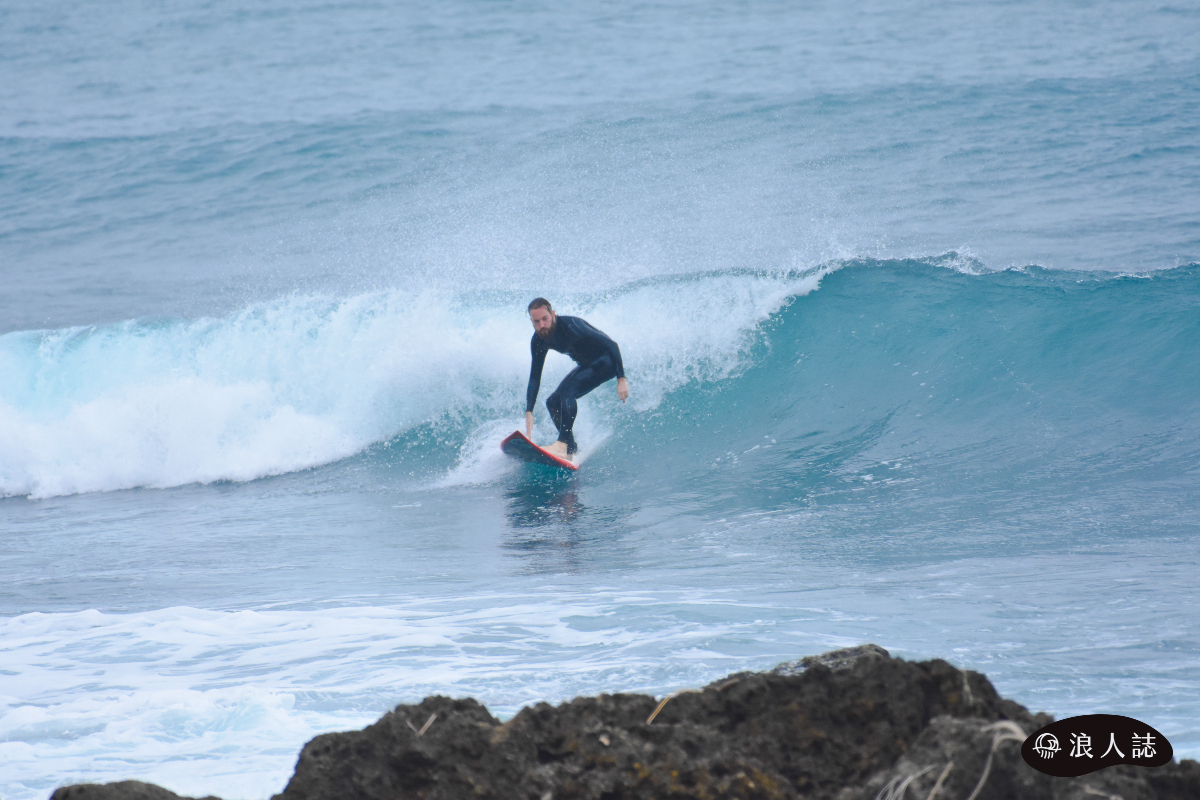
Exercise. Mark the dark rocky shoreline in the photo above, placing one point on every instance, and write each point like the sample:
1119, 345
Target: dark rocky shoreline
849, 725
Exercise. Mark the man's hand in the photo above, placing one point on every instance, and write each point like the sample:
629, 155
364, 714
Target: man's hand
622, 389
529, 424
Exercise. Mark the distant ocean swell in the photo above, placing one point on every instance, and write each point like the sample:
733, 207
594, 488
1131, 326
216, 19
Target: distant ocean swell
1074, 365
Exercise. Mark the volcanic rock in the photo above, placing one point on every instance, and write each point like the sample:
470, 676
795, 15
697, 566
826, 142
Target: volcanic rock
853, 724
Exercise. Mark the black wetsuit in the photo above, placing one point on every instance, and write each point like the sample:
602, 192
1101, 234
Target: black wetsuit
599, 360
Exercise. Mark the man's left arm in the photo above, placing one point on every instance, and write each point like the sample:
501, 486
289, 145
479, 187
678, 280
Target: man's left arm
614, 353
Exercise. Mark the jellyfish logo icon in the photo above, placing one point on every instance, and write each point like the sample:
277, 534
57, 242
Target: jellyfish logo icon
1046, 745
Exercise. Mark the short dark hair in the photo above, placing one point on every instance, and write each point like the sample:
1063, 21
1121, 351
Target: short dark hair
540, 302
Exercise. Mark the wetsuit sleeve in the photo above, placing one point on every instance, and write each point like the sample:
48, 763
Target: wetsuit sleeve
537, 351
601, 340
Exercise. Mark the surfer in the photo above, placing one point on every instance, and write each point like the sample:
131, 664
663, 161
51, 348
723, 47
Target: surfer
598, 359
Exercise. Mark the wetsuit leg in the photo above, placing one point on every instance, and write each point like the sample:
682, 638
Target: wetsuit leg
579, 381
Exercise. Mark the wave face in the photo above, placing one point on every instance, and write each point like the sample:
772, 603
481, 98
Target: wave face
1023, 374
1021, 380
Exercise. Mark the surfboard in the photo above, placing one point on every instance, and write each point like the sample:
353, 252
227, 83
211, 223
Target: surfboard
518, 445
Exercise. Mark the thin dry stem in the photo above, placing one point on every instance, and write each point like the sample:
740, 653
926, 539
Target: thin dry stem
654, 713
897, 786
937, 787
1006, 731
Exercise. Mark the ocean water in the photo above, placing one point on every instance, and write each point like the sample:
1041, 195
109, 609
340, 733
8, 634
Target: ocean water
908, 296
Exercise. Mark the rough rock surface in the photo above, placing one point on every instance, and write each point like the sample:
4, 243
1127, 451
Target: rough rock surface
849, 725
836, 660
123, 790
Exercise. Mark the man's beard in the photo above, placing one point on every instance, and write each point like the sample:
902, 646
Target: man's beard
546, 333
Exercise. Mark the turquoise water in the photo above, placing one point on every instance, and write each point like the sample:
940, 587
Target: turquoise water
909, 299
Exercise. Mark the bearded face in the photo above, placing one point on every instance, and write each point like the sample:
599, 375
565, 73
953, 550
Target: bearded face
544, 321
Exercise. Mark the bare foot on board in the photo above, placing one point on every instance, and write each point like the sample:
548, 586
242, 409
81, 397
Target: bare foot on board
560, 449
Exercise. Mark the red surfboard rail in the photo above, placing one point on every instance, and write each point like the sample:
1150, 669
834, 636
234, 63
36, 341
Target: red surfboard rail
518, 445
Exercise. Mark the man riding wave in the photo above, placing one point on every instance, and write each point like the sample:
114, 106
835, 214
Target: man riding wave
598, 358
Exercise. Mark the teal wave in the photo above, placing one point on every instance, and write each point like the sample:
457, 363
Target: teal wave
902, 378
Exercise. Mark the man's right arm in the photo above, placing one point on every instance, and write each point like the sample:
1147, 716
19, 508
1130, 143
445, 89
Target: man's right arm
537, 361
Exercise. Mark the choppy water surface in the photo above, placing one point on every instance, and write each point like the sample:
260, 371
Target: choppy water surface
908, 297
